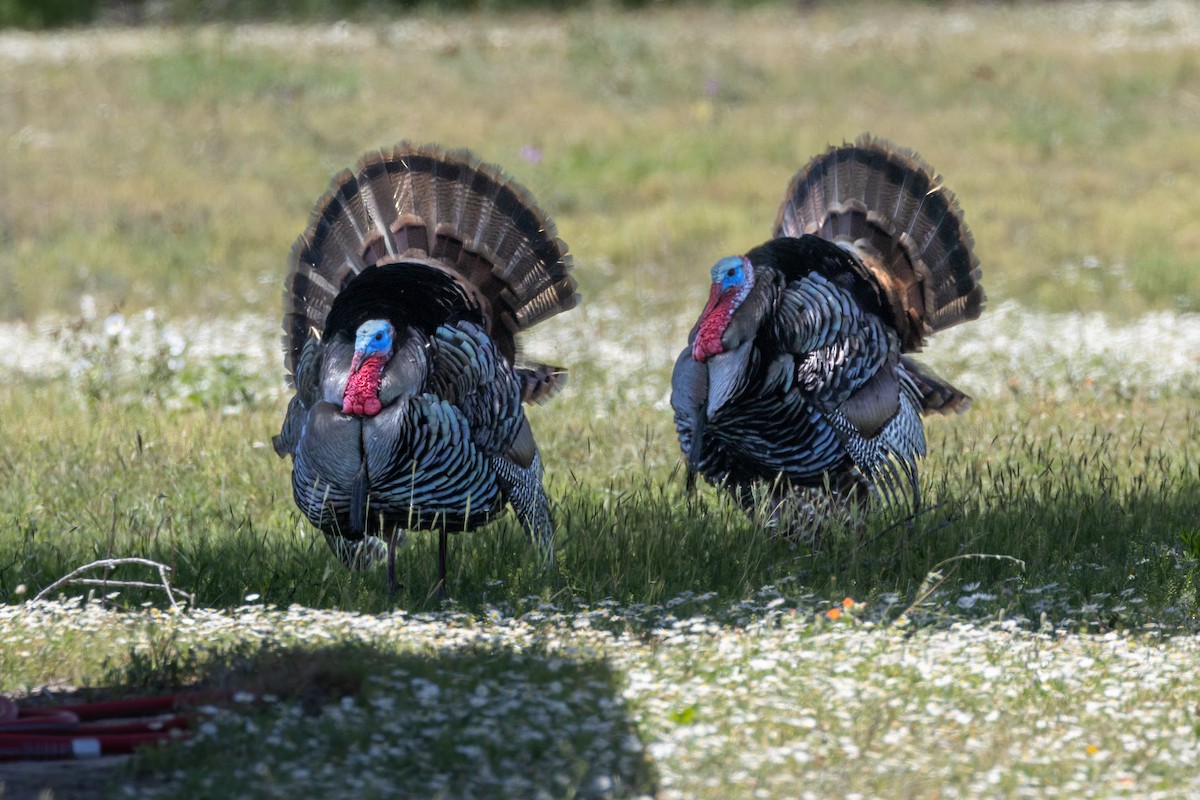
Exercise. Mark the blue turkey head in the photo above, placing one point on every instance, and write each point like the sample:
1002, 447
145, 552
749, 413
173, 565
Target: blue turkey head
374, 337
732, 280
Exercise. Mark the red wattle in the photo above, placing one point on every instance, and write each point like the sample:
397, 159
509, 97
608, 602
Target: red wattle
362, 388
714, 319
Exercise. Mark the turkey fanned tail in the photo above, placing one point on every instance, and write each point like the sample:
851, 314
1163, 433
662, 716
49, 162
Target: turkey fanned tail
894, 212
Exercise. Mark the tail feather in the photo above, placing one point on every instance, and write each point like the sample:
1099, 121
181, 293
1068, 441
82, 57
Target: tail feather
540, 382
447, 210
892, 209
935, 394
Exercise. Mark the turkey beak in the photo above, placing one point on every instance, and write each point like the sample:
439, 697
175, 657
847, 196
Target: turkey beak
356, 362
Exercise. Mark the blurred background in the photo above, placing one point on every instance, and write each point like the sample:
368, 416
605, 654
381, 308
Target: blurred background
162, 156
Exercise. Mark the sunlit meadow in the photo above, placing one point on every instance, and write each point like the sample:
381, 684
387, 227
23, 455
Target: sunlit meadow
1034, 632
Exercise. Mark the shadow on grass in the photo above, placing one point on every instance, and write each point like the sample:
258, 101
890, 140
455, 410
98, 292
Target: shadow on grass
1110, 537
637, 542
364, 720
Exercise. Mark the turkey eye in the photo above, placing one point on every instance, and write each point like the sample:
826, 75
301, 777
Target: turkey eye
729, 274
378, 336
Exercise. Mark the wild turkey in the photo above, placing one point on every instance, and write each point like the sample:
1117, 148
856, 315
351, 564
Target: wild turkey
795, 376
401, 309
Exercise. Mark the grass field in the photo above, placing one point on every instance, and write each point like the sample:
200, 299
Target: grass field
1035, 632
